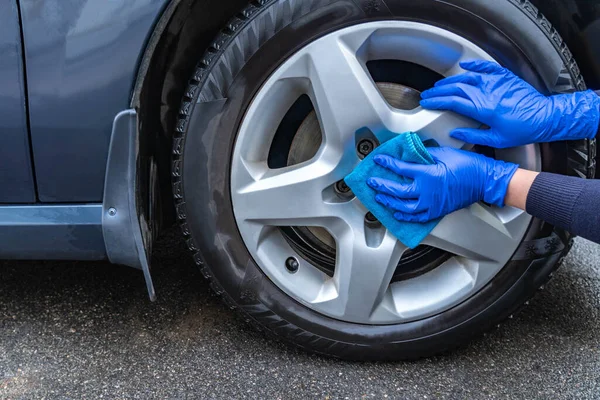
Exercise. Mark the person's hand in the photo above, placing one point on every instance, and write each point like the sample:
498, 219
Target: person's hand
457, 179
516, 113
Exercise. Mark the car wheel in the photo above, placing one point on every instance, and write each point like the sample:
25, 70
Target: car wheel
280, 110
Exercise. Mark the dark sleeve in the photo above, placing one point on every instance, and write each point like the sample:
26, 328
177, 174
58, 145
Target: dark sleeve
567, 202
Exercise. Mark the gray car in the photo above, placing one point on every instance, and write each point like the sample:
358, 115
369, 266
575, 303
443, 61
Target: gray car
238, 121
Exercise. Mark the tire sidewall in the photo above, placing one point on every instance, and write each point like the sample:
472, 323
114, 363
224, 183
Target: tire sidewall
208, 143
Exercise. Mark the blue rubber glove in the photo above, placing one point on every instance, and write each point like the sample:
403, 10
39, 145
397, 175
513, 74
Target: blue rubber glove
457, 180
516, 113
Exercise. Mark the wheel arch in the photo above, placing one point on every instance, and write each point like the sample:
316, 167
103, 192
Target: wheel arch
578, 23
183, 32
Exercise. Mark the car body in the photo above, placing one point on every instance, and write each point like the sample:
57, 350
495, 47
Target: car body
88, 91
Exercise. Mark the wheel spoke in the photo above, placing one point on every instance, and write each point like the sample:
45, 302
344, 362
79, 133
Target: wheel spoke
433, 124
467, 52
362, 274
442, 286
343, 93
287, 196
474, 233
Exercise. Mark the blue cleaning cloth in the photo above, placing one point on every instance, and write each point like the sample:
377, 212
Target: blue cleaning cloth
407, 147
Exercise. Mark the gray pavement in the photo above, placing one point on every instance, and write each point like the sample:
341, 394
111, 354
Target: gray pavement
88, 331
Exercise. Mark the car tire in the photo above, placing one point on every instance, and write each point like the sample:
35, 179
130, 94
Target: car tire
228, 76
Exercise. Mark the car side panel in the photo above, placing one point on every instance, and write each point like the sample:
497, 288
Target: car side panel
82, 59
16, 177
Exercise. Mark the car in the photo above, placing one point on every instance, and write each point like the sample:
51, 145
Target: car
238, 122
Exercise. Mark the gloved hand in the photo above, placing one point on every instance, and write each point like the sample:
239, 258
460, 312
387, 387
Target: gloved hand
457, 179
516, 112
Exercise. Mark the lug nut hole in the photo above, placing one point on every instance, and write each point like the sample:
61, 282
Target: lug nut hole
365, 147
371, 220
341, 187
292, 265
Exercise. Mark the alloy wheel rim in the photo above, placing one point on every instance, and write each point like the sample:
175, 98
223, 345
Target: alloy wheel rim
332, 72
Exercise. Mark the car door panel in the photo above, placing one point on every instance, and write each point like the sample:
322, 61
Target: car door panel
82, 58
16, 176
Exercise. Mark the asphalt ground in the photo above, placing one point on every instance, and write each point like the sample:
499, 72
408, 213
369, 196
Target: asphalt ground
87, 331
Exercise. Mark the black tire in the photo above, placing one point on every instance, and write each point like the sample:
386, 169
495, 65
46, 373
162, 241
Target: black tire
231, 71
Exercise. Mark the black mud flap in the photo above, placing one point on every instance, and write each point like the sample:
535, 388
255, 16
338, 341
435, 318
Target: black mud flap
127, 204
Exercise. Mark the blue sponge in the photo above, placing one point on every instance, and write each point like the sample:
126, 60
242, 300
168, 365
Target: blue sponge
407, 147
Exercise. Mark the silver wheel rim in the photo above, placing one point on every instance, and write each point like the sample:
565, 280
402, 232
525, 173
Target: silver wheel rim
332, 72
